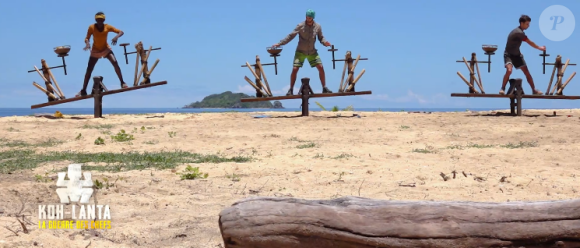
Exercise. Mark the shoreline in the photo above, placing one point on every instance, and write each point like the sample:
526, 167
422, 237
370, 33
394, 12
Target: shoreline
276, 111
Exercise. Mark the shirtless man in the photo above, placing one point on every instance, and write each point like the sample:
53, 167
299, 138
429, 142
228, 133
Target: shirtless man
308, 31
513, 57
101, 49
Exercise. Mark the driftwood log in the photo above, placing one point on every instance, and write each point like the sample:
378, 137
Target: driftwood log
263, 222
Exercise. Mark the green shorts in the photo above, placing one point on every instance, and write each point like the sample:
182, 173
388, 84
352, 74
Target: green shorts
313, 59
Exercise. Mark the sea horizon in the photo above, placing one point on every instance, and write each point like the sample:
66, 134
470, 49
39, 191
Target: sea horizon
6, 112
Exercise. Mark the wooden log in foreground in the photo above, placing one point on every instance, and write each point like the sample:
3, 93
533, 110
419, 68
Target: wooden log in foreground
265, 222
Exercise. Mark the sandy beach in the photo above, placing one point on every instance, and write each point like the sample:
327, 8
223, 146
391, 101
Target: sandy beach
380, 155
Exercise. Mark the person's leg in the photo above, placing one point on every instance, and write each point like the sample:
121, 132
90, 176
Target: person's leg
91, 65
508, 72
293, 76
298, 62
115, 64
315, 61
526, 72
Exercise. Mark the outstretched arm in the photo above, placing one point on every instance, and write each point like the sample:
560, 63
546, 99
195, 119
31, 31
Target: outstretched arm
117, 31
88, 37
532, 44
321, 37
525, 38
291, 36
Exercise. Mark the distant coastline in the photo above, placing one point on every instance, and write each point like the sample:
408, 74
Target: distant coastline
229, 100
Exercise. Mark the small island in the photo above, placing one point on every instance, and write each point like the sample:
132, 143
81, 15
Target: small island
232, 100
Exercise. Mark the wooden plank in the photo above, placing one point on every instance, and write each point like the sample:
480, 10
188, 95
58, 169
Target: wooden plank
348, 222
512, 96
74, 99
110, 92
261, 99
102, 94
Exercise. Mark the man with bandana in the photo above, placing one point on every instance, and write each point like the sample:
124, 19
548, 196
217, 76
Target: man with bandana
101, 49
307, 30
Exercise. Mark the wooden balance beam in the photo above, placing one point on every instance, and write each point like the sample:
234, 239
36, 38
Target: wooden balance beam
515, 94
305, 93
347, 222
97, 95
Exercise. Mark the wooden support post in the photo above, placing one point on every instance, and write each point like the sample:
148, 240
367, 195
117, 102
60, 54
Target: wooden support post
258, 90
347, 58
51, 89
512, 106
260, 72
147, 80
144, 59
558, 61
561, 76
471, 67
351, 68
560, 92
97, 96
48, 75
137, 55
145, 66
47, 83
50, 95
305, 92
517, 91
559, 72
257, 75
480, 83
258, 79
471, 87
355, 80
519, 94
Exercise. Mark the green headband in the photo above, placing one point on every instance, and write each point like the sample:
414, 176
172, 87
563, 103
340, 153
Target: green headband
310, 13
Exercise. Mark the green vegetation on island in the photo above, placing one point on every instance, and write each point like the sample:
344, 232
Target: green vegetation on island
232, 100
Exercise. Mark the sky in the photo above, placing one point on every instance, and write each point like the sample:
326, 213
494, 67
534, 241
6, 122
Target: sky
412, 47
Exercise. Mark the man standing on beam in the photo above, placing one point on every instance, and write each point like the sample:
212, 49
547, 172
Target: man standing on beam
514, 58
101, 49
308, 30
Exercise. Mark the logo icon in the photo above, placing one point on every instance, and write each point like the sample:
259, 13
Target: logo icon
78, 190
557, 23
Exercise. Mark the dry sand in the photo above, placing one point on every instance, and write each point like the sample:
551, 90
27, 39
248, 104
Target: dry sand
377, 156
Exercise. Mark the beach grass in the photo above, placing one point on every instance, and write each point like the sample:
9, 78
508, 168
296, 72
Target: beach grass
23, 144
23, 159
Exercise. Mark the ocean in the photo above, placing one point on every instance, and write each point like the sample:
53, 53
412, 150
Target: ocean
4, 112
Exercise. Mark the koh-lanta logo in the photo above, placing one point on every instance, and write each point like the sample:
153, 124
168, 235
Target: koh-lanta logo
78, 192
557, 23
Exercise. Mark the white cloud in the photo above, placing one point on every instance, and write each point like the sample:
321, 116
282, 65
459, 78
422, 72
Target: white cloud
410, 97
281, 92
247, 89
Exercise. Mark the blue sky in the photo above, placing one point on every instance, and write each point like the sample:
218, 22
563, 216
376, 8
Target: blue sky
412, 47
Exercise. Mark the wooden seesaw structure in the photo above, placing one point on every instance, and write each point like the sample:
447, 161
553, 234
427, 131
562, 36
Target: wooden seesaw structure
263, 92
515, 92
99, 89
